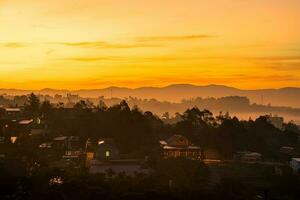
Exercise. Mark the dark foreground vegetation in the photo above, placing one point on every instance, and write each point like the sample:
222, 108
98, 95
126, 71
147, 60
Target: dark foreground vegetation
172, 179
25, 173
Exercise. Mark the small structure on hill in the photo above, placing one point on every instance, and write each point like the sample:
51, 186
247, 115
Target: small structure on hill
179, 146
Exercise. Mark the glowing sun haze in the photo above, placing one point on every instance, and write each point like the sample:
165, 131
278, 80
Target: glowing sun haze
97, 43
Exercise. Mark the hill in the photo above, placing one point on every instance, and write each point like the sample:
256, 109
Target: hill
175, 93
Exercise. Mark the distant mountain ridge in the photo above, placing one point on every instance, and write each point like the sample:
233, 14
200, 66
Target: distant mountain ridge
288, 96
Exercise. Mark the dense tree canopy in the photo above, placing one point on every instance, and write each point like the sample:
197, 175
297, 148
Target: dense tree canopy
138, 132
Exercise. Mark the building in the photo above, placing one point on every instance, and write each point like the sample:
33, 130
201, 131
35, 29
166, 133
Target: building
178, 146
287, 150
103, 150
60, 142
295, 165
106, 150
74, 148
73, 143
248, 156
106, 159
26, 122
10, 113
277, 122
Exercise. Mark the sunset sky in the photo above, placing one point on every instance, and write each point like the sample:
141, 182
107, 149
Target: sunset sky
76, 44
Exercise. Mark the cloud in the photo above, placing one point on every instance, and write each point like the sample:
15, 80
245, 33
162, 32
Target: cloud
13, 45
284, 66
106, 45
140, 42
94, 59
276, 58
168, 38
274, 77
136, 59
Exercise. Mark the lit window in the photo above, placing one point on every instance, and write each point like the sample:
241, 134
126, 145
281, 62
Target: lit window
13, 139
107, 153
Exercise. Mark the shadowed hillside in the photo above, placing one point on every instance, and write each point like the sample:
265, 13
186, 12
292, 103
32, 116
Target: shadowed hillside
175, 93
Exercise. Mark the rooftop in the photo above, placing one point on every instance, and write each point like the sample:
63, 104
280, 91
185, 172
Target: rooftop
12, 109
181, 148
26, 122
61, 138
296, 159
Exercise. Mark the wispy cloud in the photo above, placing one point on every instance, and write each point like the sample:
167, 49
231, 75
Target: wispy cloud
284, 66
276, 58
13, 45
106, 45
275, 77
139, 42
168, 38
94, 59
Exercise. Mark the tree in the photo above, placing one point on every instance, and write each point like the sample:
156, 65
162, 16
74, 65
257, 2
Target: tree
81, 105
124, 106
102, 106
32, 106
20, 100
165, 115
46, 108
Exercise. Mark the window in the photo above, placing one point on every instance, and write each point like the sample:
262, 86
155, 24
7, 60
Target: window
107, 154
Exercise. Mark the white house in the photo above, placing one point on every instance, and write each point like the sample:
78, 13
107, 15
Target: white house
295, 165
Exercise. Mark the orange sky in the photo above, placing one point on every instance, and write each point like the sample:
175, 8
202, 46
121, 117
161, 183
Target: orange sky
97, 43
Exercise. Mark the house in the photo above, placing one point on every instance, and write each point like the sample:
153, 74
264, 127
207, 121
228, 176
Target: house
287, 150
25, 122
179, 146
12, 110
105, 158
10, 113
252, 156
73, 143
67, 143
295, 165
60, 142
74, 148
60, 139
106, 150
103, 150
67, 146
248, 156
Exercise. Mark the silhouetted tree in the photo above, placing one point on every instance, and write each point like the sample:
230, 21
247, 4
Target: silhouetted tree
46, 109
32, 106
